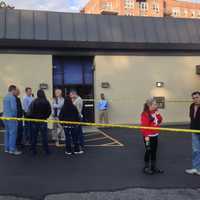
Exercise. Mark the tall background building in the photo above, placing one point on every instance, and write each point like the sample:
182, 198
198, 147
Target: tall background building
154, 8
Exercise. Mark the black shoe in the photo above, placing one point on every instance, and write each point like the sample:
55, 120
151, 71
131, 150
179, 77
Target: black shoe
157, 170
148, 171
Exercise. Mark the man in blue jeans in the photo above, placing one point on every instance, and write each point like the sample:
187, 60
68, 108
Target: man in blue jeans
195, 124
10, 110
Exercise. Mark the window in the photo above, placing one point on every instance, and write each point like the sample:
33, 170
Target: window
192, 13
144, 6
107, 5
198, 14
155, 7
129, 4
143, 13
72, 71
175, 12
127, 13
57, 73
185, 13
88, 71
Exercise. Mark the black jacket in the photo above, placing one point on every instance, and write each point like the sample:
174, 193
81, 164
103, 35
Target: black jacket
39, 109
20, 111
69, 114
195, 122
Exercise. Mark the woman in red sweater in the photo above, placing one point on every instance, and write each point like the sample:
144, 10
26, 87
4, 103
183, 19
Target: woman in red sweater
150, 117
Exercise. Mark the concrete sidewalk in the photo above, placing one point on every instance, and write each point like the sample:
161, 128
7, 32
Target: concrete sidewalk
133, 194
128, 194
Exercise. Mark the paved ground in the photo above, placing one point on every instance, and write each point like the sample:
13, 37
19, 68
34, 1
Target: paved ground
102, 168
133, 194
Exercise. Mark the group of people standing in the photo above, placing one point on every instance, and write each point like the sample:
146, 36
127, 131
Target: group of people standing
19, 133
151, 117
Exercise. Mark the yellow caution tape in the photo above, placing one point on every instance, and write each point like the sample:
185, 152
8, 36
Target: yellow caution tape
101, 125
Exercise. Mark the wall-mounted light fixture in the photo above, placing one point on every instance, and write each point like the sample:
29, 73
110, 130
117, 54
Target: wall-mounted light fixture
105, 85
44, 86
159, 84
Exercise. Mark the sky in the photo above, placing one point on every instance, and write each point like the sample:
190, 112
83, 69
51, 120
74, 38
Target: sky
53, 5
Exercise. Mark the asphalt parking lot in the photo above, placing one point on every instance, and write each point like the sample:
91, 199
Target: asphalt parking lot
113, 161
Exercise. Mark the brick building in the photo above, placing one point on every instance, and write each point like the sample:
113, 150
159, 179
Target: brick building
154, 8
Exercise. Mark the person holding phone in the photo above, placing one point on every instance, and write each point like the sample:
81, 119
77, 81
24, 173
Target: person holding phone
150, 117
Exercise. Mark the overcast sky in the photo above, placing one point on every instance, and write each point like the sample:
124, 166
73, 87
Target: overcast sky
53, 5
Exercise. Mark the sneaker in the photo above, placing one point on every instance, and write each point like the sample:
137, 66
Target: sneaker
192, 172
6, 151
57, 144
197, 173
79, 152
68, 153
15, 153
157, 170
147, 171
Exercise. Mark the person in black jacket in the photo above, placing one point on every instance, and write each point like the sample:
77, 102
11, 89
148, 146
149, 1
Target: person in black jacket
70, 113
40, 108
20, 114
195, 124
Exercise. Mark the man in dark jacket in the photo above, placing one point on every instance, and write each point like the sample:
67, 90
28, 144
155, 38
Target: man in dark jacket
195, 124
40, 108
20, 114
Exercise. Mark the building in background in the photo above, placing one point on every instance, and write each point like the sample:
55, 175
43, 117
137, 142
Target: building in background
153, 8
182, 9
129, 59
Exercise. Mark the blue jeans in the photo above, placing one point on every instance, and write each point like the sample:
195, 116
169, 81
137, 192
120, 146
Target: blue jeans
42, 128
71, 135
196, 151
10, 135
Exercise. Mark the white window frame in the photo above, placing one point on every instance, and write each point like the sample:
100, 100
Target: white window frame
130, 4
176, 12
155, 7
143, 6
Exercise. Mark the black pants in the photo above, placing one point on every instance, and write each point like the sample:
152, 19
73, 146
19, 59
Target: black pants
71, 136
150, 153
20, 130
43, 130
